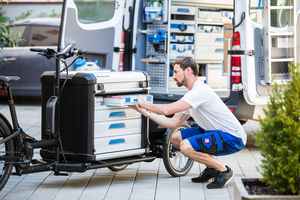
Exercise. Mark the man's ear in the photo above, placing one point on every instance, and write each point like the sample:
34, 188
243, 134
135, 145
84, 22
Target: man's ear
190, 71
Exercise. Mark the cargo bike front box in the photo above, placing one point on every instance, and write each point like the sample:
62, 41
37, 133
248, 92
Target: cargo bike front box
95, 122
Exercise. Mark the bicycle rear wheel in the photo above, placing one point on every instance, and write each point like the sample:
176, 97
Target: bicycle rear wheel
175, 162
6, 149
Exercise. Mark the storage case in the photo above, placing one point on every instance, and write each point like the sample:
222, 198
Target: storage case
182, 10
210, 39
181, 50
215, 16
182, 26
182, 38
91, 130
209, 53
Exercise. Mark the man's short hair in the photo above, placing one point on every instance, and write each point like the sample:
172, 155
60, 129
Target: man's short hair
188, 62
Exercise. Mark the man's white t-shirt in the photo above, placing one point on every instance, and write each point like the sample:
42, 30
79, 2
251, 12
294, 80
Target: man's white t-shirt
210, 113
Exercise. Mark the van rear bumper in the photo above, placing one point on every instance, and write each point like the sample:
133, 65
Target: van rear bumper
241, 109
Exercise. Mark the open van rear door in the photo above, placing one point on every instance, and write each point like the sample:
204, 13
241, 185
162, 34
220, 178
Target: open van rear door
264, 44
266, 29
96, 25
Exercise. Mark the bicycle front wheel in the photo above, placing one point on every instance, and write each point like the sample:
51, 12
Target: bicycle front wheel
6, 149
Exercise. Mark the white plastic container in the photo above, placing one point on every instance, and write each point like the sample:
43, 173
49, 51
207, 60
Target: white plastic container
125, 100
182, 26
181, 50
82, 65
182, 38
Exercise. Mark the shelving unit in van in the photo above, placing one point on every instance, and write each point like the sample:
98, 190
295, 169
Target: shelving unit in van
191, 30
181, 38
210, 45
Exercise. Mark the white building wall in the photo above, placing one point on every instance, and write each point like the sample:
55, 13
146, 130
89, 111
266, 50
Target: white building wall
16, 9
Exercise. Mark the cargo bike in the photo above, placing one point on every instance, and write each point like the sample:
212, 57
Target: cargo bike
86, 123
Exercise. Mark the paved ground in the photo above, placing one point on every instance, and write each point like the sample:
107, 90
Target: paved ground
138, 181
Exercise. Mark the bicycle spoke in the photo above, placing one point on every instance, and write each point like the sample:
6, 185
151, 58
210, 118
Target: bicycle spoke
179, 161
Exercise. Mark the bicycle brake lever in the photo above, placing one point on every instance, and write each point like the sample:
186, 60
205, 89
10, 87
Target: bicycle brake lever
42, 53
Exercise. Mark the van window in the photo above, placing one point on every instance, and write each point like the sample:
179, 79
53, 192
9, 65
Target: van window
17, 30
279, 17
44, 36
93, 11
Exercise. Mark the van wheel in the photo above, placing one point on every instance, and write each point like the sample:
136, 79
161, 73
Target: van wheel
242, 122
175, 162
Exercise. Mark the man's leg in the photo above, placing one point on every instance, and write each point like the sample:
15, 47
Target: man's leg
223, 174
176, 139
204, 158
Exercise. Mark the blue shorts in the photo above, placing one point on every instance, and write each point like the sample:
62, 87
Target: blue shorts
214, 142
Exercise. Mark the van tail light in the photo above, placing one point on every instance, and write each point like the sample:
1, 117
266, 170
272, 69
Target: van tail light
121, 64
236, 72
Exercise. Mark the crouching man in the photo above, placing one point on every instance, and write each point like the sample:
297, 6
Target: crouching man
218, 133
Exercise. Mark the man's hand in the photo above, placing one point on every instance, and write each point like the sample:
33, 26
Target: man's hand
142, 100
138, 109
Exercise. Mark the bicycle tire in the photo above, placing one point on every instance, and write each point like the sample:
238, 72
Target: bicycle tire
5, 168
117, 167
171, 155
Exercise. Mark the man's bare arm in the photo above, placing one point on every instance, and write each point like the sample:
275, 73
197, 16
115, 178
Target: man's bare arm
170, 123
164, 109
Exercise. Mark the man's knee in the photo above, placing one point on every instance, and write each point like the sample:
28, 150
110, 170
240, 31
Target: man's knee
176, 137
186, 147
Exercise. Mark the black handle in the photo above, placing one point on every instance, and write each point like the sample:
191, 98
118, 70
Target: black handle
37, 50
81, 52
242, 19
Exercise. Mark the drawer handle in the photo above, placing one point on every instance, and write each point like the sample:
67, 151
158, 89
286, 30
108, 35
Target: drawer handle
181, 41
120, 125
219, 39
116, 114
183, 10
181, 50
117, 141
219, 50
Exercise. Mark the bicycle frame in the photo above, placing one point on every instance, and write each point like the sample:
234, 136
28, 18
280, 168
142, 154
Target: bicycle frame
29, 143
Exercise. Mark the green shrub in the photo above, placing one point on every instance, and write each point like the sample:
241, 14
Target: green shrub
279, 137
6, 38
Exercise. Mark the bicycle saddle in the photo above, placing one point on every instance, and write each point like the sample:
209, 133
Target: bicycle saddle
9, 79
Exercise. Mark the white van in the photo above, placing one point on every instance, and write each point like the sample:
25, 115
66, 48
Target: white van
265, 43
150, 35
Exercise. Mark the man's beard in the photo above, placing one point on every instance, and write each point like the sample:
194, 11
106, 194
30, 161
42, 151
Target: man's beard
179, 84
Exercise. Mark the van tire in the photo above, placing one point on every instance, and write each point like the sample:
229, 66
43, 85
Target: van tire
242, 122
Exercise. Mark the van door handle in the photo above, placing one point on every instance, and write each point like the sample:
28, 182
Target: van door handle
9, 59
241, 52
242, 19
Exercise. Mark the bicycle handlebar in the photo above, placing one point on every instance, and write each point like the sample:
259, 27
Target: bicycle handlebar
37, 50
66, 52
